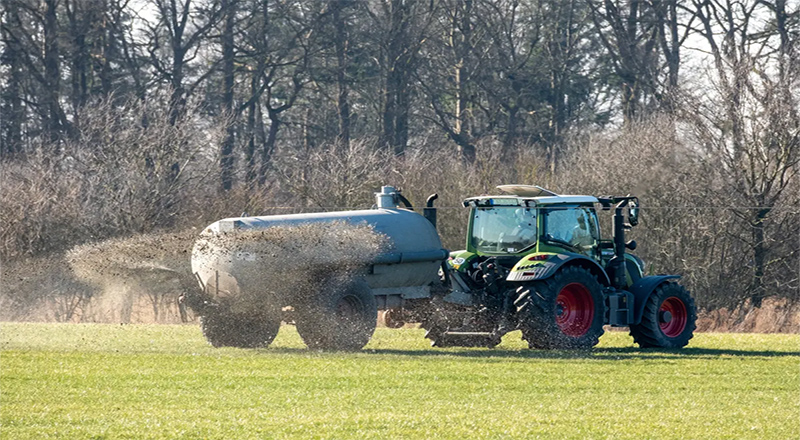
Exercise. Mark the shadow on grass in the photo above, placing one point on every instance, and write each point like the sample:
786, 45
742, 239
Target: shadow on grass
617, 353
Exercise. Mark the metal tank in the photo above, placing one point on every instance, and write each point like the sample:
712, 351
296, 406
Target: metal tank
403, 270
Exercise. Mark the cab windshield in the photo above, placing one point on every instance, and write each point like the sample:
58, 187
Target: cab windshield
506, 229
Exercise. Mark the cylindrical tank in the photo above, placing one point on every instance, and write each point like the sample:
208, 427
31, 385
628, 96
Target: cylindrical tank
405, 266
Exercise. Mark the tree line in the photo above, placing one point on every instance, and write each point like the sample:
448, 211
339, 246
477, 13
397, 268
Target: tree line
304, 71
124, 116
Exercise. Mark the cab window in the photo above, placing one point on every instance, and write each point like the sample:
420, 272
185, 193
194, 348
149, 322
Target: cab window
504, 229
575, 228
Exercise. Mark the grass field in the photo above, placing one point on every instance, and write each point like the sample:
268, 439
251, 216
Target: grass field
164, 382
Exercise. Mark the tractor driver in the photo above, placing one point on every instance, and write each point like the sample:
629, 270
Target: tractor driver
581, 236
525, 230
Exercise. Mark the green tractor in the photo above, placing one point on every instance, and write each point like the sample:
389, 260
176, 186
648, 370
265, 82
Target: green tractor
535, 261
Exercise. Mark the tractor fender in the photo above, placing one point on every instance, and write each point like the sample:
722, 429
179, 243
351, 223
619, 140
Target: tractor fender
540, 266
642, 290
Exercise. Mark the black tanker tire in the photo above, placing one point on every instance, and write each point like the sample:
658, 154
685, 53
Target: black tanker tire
252, 330
342, 315
537, 310
648, 334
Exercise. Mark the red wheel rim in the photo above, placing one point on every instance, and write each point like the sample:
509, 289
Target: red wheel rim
574, 310
677, 317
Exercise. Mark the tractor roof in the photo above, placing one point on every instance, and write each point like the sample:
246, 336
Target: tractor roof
524, 194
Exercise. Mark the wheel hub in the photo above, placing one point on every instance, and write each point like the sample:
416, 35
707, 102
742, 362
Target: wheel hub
574, 310
672, 317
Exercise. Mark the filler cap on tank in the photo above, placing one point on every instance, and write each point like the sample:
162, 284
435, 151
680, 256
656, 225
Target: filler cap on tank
387, 198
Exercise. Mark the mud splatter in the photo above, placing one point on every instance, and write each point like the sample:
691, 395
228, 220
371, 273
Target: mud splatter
289, 262
125, 269
292, 260
121, 258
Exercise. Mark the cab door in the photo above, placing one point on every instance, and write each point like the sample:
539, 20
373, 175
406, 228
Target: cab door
573, 228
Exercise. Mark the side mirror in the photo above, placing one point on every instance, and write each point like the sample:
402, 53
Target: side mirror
633, 213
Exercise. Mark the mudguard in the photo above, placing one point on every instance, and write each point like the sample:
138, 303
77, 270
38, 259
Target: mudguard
542, 265
641, 291
461, 260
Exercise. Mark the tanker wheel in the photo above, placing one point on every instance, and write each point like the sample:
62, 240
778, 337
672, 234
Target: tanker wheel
564, 311
242, 330
341, 316
668, 320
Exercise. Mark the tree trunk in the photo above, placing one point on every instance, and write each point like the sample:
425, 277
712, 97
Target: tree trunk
460, 39
52, 72
340, 45
177, 101
11, 137
226, 153
80, 20
107, 45
269, 145
250, 149
396, 100
760, 251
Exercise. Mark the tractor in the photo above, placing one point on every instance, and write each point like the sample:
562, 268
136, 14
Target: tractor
535, 261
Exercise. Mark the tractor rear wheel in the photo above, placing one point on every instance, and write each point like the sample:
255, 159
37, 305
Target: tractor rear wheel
668, 320
564, 311
341, 316
223, 328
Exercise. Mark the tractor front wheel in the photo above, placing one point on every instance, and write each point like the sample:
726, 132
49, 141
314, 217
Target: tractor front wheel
668, 320
341, 316
564, 311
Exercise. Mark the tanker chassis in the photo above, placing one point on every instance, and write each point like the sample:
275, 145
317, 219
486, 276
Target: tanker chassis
534, 261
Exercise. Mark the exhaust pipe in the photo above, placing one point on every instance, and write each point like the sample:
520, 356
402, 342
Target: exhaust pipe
430, 212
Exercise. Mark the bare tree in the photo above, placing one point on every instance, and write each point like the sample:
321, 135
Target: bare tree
33, 29
12, 90
446, 80
274, 51
752, 121
403, 27
229, 8
175, 39
630, 31
341, 44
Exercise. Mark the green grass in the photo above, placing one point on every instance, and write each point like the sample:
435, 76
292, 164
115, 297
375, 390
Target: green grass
164, 382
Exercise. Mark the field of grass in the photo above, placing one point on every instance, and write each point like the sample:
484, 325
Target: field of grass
164, 382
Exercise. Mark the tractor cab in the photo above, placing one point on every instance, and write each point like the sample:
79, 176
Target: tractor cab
507, 225
530, 225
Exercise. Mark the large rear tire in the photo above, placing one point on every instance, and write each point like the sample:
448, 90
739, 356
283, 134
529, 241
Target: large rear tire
223, 328
669, 318
342, 315
564, 311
